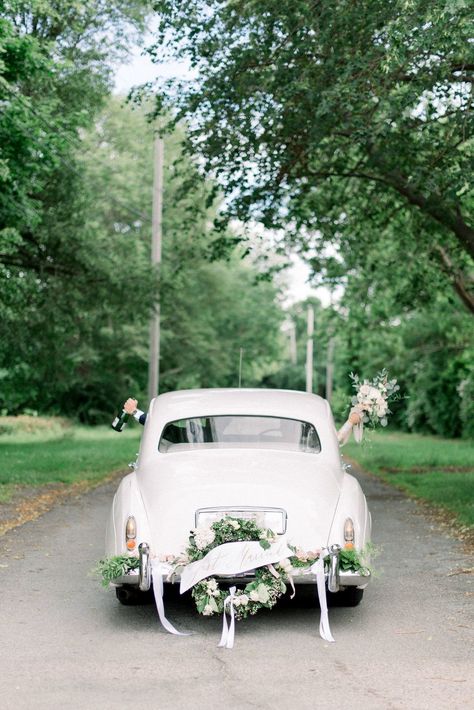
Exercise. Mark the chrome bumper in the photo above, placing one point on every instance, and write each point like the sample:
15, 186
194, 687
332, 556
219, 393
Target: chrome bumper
335, 577
140, 577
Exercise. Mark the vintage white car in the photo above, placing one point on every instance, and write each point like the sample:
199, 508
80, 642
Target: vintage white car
269, 455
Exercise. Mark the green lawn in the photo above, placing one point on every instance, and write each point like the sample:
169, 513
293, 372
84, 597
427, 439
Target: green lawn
439, 471
65, 455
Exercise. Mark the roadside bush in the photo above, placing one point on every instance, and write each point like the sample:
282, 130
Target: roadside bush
466, 392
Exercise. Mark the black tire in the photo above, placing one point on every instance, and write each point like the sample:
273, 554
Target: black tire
351, 596
130, 596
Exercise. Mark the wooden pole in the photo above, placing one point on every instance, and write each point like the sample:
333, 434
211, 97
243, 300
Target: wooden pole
293, 350
154, 352
330, 369
309, 349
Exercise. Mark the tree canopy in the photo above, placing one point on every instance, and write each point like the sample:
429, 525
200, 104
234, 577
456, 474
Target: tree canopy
350, 124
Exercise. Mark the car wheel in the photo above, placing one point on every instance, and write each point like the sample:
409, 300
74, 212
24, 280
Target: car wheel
129, 596
351, 596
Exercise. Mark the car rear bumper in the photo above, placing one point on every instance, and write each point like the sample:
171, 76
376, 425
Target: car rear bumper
335, 577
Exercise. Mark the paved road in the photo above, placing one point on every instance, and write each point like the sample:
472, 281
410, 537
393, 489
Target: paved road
66, 643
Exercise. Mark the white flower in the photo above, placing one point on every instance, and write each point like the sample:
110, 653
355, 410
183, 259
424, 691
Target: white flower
208, 610
254, 595
382, 408
285, 564
203, 536
234, 524
364, 390
213, 588
243, 599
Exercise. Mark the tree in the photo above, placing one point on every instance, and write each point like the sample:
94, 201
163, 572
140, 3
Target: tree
80, 352
350, 123
55, 266
212, 303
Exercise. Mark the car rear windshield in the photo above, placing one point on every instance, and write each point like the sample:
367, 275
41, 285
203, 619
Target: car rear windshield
239, 431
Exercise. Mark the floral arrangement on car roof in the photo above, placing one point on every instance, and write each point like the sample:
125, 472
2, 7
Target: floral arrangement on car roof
268, 583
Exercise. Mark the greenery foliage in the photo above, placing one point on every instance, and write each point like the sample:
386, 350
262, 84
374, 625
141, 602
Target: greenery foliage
348, 123
110, 568
76, 284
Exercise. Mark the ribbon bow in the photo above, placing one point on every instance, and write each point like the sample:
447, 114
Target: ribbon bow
157, 572
228, 632
318, 569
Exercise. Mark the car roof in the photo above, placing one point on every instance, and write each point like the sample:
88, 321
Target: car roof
291, 404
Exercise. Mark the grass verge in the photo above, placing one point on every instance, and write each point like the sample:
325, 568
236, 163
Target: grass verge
435, 470
63, 455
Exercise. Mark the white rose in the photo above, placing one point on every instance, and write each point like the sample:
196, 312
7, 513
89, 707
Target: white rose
213, 588
364, 390
234, 524
203, 536
208, 611
382, 408
243, 599
254, 595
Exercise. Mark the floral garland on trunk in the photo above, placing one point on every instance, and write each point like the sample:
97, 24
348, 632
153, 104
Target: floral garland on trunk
269, 583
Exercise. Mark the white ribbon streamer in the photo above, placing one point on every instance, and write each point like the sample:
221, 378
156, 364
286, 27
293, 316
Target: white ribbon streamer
228, 632
292, 585
359, 431
318, 569
157, 576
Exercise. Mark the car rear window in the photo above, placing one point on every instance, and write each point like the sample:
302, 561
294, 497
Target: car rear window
239, 431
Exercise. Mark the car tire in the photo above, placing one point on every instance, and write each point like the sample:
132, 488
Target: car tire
351, 596
129, 596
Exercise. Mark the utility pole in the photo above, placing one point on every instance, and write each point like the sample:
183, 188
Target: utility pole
293, 350
154, 352
289, 328
330, 368
309, 350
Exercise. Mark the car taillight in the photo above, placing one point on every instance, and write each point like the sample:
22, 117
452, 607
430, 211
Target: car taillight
131, 533
349, 530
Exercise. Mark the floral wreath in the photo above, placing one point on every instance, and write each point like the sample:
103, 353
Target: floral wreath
269, 583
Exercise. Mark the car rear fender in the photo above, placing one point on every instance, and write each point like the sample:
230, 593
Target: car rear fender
127, 502
351, 504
